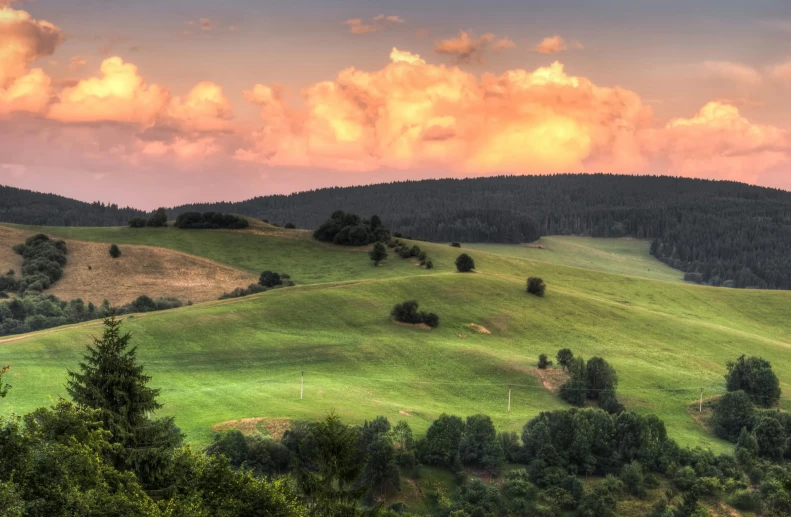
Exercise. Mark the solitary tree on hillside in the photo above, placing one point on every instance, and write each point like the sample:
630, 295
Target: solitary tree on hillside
464, 263
536, 286
565, 357
115, 251
378, 253
111, 381
754, 375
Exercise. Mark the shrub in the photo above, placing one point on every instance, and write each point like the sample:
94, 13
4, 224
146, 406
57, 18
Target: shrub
115, 251
464, 263
755, 377
429, 264
543, 362
430, 319
536, 286
455, 244
270, 279
289, 226
406, 312
745, 500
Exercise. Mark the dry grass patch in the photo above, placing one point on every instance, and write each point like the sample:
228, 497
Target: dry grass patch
478, 329
551, 378
10, 237
422, 326
274, 427
91, 274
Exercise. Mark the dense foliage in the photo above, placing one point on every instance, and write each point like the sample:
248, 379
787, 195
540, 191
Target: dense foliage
351, 230
115, 251
33, 312
594, 380
210, 221
407, 312
536, 286
722, 233
28, 207
755, 377
378, 253
42, 265
464, 263
158, 219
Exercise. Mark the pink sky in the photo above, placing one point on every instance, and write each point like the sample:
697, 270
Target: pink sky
151, 105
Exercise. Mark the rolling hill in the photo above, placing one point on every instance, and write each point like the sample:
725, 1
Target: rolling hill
233, 359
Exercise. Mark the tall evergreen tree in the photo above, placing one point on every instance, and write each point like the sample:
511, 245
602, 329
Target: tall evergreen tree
111, 381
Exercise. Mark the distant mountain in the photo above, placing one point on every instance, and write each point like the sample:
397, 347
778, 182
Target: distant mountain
718, 232
28, 207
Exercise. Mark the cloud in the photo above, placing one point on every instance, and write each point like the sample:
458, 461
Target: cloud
204, 109
377, 23
119, 95
411, 115
466, 47
782, 71
206, 24
731, 71
23, 40
77, 62
555, 44
719, 142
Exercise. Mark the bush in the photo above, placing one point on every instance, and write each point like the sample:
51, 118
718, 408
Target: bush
289, 226
270, 279
543, 362
455, 244
464, 263
755, 377
429, 264
536, 286
241, 291
406, 312
115, 251
746, 501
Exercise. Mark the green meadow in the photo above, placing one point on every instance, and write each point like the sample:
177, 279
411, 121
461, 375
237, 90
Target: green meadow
242, 358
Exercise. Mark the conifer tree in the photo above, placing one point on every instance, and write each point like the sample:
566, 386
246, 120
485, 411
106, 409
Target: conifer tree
111, 381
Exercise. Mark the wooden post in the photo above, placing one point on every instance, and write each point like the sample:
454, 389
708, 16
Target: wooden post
302, 385
509, 399
700, 406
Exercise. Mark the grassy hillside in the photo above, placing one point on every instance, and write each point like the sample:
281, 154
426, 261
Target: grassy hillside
621, 256
242, 358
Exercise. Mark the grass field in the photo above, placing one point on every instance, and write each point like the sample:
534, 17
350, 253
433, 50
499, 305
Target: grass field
242, 358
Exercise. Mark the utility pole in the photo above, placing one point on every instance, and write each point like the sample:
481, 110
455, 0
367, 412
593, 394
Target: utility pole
509, 399
302, 385
700, 406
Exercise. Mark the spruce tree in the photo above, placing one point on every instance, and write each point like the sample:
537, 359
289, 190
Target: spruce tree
111, 381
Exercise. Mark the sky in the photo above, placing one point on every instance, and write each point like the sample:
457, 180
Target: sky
152, 103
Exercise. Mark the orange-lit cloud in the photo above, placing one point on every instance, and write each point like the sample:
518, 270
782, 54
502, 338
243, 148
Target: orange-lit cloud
77, 62
205, 108
415, 115
23, 40
719, 142
466, 47
731, 71
378, 23
555, 44
119, 95
782, 71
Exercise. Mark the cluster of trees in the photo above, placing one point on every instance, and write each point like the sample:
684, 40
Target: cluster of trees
267, 280
407, 312
33, 312
746, 414
158, 219
405, 251
723, 231
594, 380
42, 265
351, 230
28, 207
210, 221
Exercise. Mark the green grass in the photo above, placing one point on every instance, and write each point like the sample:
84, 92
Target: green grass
242, 358
621, 256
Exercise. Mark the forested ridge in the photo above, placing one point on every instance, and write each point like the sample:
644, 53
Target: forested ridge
719, 232
28, 207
